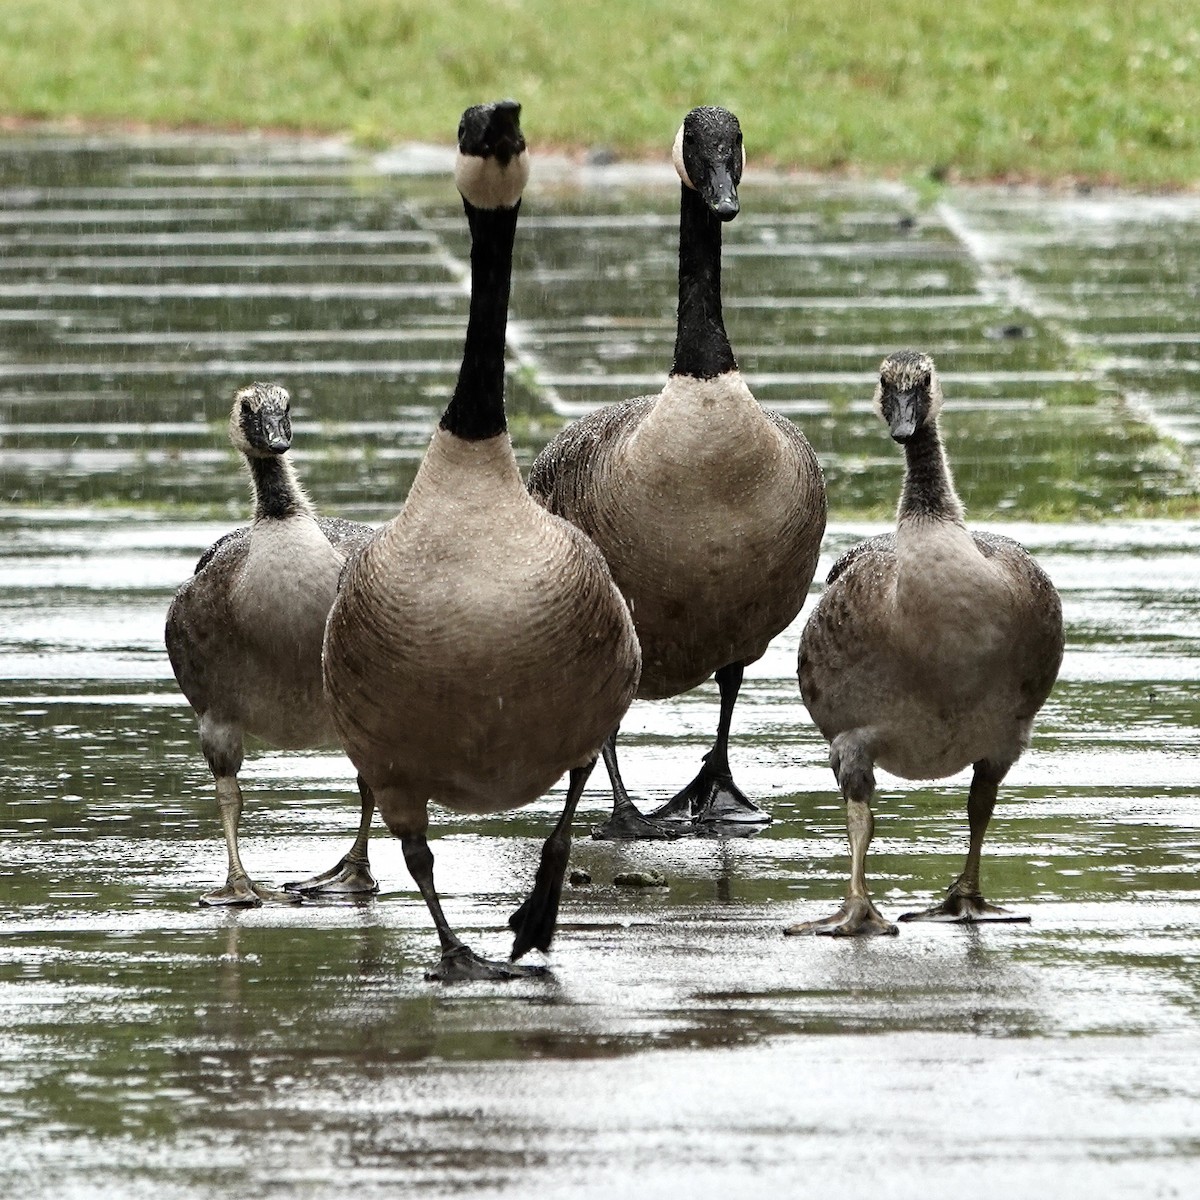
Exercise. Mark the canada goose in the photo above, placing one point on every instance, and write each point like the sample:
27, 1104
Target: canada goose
244, 634
931, 649
708, 507
478, 647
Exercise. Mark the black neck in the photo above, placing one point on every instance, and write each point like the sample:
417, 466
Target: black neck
928, 488
702, 347
275, 491
476, 410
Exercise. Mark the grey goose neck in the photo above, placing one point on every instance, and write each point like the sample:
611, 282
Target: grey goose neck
928, 487
476, 411
702, 348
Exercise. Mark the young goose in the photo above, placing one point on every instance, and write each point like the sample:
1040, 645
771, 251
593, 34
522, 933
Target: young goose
478, 647
244, 634
708, 507
932, 648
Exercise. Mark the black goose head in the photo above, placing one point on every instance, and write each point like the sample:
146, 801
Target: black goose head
260, 423
709, 157
492, 169
909, 395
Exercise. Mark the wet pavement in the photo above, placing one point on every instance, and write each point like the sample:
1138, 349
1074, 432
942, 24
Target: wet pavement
152, 1048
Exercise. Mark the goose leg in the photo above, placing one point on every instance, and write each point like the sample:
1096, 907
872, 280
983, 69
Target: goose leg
534, 922
459, 962
625, 823
856, 776
964, 903
712, 800
351, 874
222, 746
239, 889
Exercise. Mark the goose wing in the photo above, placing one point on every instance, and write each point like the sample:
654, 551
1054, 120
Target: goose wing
347, 536
223, 544
1039, 650
881, 544
562, 477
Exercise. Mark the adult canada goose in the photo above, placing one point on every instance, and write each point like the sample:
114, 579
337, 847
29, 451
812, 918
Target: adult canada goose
244, 635
478, 647
708, 507
931, 649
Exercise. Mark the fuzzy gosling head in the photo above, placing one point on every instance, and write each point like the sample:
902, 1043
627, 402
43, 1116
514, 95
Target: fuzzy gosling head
260, 423
909, 395
492, 168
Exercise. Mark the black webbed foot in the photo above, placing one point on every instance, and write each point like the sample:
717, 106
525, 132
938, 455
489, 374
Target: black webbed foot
712, 802
463, 965
626, 824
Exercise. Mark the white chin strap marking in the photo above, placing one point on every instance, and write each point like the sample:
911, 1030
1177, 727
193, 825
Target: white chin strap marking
484, 183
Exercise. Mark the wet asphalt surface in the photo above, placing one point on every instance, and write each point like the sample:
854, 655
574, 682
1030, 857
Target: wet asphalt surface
152, 1048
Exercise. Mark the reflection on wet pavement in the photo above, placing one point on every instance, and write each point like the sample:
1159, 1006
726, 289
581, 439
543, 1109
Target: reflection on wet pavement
151, 1048
141, 283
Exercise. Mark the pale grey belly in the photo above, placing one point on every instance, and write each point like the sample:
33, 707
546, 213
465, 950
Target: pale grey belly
934, 744
289, 715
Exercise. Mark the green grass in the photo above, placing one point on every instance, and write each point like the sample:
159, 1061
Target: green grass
976, 89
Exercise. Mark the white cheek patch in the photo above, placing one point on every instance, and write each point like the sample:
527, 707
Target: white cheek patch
677, 159
484, 183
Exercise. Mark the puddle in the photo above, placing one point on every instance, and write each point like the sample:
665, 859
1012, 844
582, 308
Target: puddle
151, 1048
167, 1047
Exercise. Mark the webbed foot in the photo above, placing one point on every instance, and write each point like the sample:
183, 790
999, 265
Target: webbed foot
348, 877
856, 918
626, 824
965, 908
240, 891
713, 801
462, 965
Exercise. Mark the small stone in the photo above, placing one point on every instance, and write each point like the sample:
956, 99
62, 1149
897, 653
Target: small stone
579, 878
641, 879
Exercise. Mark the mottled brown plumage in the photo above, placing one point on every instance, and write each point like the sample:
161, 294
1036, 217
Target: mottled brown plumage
932, 649
244, 633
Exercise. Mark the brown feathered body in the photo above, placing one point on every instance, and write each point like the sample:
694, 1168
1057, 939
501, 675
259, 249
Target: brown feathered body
479, 648
244, 634
709, 510
940, 645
